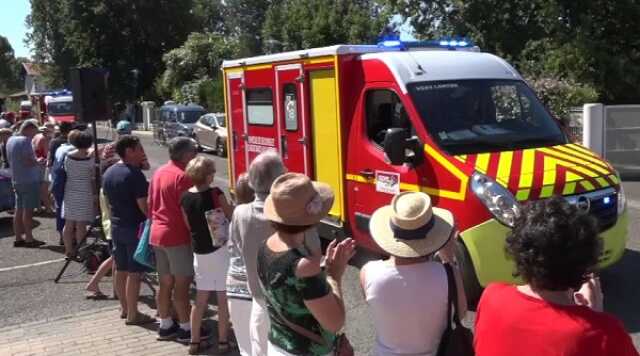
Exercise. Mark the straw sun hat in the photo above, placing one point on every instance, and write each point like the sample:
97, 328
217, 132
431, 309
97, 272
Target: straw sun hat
296, 200
410, 226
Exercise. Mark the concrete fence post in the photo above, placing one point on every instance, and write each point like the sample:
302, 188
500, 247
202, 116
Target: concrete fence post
593, 127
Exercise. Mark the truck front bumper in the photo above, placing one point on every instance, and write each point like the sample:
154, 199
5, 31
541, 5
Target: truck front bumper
486, 246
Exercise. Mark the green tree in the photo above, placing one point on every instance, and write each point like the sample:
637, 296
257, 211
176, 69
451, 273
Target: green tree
192, 71
244, 21
298, 24
119, 35
9, 75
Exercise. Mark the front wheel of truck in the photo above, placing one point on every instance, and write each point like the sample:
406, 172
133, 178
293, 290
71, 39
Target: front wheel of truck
472, 287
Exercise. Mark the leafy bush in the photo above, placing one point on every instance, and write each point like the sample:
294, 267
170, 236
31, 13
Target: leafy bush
560, 95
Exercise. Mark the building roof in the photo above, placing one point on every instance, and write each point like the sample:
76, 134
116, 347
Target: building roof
34, 69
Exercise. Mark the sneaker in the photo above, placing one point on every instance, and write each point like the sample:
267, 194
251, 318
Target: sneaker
19, 243
168, 333
184, 336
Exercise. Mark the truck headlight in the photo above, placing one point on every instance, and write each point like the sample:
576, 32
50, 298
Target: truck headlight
622, 200
498, 200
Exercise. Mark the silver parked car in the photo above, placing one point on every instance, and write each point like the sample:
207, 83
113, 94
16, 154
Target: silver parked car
210, 132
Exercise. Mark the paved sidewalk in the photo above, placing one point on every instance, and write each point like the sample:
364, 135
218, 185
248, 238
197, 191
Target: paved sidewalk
99, 332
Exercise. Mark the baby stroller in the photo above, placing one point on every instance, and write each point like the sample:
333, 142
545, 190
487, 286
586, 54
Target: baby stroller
91, 251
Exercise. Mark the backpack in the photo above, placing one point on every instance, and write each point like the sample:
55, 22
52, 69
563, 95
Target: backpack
59, 180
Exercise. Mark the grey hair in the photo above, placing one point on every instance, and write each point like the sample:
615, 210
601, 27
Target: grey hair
264, 169
27, 124
181, 146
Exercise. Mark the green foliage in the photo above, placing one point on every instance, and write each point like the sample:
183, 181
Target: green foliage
590, 43
244, 20
10, 79
298, 24
119, 35
192, 71
560, 95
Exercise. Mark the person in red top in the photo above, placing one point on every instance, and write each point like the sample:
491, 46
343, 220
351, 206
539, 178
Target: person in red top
171, 239
558, 312
40, 144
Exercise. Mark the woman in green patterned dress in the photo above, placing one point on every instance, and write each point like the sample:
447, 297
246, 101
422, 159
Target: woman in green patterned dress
304, 300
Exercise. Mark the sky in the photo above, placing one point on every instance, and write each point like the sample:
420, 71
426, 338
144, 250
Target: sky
12, 26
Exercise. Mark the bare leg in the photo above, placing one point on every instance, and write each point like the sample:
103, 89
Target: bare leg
202, 300
121, 287
164, 295
18, 227
45, 197
223, 316
181, 298
68, 233
94, 283
81, 231
133, 292
27, 224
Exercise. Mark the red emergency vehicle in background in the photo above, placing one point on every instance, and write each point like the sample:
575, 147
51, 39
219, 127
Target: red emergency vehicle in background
59, 107
435, 116
25, 110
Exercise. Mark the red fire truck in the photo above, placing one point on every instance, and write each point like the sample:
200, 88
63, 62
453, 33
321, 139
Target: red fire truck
436, 116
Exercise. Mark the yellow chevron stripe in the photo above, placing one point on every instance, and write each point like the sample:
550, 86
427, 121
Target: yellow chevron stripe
526, 169
603, 182
569, 188
461, 158
546, 191
523, 194
591, 159
587, 185
572, 177
582, 149
549, 174
482, 162
504, 168
576, 160
614, 179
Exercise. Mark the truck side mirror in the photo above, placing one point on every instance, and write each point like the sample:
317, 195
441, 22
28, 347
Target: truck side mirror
395, 145
400, 147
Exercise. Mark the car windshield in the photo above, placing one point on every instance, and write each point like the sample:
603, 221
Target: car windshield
189, 117
220, 121
473, 116
60, 108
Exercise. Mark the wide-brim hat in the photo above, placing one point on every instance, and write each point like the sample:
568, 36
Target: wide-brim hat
296, 200
410, 226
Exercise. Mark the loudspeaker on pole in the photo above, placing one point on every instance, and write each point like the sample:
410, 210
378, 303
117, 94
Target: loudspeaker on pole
90, 89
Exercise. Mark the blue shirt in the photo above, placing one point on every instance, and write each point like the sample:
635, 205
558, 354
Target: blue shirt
60, 153
20, 154
124, 185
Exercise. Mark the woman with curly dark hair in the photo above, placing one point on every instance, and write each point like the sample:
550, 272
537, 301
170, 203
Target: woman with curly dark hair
558, 311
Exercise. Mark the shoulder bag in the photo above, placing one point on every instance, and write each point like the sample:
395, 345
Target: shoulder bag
341, 346
457, 340
144, 253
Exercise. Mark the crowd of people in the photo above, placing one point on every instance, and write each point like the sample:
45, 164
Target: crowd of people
276, 288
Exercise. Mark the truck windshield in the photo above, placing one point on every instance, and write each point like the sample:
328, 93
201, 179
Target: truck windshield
60, 108
474, 116
189, 117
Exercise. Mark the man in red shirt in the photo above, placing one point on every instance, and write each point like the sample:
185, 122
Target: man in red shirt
558, 312
171, 240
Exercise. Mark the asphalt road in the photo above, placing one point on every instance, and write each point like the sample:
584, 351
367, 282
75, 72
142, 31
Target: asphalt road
27, 291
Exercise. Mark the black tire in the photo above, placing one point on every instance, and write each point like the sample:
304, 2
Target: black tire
472, 287
221, 149
198, 146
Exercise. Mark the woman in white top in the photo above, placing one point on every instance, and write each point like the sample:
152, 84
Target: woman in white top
408, 293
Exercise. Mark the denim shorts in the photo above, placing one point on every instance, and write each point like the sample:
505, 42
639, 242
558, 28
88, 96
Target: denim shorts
27, 195
125, 242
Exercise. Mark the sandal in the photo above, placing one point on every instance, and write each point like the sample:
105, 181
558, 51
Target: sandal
97, 295
123, 314
196, 348
224, 347
140, 319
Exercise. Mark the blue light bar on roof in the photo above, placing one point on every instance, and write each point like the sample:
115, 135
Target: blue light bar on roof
445, 43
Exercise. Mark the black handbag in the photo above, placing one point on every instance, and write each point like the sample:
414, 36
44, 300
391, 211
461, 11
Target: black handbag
457, 340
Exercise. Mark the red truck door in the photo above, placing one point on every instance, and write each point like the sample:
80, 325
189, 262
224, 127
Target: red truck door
292, 116
237, 124
260, 113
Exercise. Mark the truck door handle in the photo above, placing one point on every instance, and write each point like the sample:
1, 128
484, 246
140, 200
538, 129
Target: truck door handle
367, 173
283, 140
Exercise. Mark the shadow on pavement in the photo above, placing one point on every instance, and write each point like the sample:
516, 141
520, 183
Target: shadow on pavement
6, 226
621, 286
